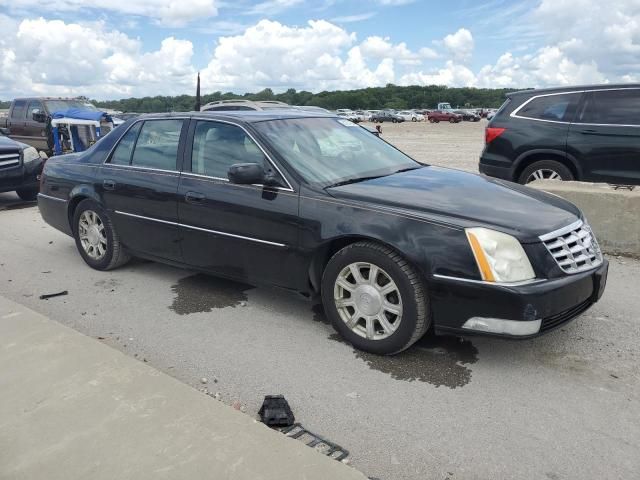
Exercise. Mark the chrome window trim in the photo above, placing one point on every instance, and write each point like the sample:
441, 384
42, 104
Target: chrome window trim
174, 172
216, 232
269, 159
49, 197
492, 284
226, 180
514, 114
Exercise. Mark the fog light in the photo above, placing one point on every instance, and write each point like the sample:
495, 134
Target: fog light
499, 325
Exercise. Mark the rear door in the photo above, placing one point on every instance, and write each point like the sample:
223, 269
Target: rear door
139, 184
249, 232
16, 121
606, 136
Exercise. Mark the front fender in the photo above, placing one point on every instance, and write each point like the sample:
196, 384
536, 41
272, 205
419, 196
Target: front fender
431, 247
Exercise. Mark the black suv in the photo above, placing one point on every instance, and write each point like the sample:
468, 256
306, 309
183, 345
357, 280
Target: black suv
574, 133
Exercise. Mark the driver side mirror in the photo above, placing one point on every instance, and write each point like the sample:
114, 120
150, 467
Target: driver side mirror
39, 116
246, 173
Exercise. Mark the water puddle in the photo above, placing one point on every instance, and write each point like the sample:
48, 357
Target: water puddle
440, 360
202, 293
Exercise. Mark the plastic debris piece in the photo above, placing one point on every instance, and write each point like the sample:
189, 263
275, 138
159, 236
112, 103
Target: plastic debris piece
47, 296
276, 412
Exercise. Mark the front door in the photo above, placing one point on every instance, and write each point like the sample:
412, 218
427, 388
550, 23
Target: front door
35, 132
139, 184
248, 232
606, 136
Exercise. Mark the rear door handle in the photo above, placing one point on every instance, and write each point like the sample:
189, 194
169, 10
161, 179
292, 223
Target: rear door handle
194, 197
109, 184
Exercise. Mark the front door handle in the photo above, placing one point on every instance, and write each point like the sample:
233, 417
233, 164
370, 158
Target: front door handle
194, 197
109, 184
588, 131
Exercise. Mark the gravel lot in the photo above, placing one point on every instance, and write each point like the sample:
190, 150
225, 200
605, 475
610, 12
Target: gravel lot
457, 145
563, 406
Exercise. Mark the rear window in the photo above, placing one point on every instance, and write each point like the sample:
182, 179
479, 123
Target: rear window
19, 108
157, 145
558, 108
612, 107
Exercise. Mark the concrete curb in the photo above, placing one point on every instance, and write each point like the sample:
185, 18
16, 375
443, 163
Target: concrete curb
73, 408
614, 215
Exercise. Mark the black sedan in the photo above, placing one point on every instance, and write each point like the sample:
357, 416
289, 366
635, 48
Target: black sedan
20, 167
316, 204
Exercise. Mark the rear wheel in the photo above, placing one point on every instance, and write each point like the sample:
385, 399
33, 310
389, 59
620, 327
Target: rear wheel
27, 194
375, 299
545, 170
96, 238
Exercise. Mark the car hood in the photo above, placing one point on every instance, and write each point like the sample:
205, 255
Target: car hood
7, 144
465, 200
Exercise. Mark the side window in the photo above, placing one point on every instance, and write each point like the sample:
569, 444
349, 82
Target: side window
559, 108
19, 107
33, 106
613, 107
217, 146
122, 153
157, 145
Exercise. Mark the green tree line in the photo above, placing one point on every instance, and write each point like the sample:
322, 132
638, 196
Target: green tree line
391, 96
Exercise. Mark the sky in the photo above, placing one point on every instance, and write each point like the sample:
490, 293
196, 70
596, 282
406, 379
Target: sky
123, 48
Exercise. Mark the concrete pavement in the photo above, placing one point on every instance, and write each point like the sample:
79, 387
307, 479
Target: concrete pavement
73, 408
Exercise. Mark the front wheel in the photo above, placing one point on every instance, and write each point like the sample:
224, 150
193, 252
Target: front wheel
545, 170
452, 120
414, 119
375, 299
96, 238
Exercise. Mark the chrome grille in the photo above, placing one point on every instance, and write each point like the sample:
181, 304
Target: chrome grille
574, 248
8, 160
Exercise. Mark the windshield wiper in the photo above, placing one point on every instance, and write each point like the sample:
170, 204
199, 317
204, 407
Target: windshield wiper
354, 180
408, 169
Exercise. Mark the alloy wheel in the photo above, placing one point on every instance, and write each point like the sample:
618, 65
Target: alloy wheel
544, 174
92, 235
368, 300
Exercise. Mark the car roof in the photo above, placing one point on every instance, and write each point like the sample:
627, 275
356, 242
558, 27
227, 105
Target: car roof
249, 116
540, 91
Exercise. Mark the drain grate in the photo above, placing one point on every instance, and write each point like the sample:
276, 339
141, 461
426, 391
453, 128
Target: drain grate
314, 441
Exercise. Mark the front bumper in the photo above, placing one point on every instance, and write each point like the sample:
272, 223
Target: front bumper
473, 307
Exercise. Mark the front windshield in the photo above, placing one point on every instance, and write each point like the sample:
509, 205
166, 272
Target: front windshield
58, 105
326, 151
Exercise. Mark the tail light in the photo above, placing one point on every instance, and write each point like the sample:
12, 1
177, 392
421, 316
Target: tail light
491, 133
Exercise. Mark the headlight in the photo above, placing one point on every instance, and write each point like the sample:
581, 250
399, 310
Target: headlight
500, 257
30, 154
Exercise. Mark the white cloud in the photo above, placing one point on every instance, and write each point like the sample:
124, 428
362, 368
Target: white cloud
271, 7
378, 47
167, 12
452, 74
459, 44
55, 58
317, 56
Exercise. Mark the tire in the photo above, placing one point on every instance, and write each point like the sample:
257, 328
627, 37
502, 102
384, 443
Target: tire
113, 255
414, 119
409, 292
452, 120
548, 169
431, 120
27, 194
393, 120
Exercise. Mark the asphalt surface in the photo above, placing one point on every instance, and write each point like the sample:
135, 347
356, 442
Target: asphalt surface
563, 406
